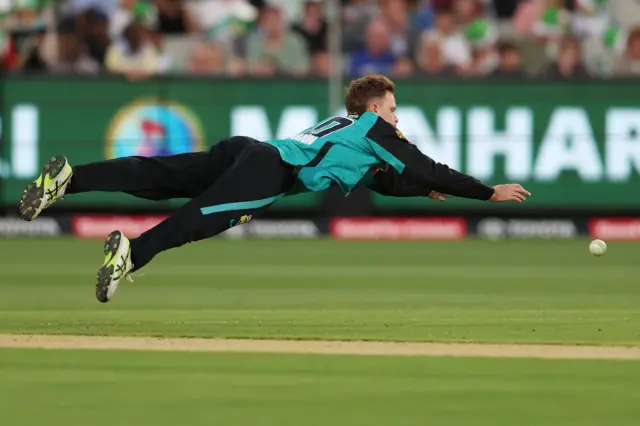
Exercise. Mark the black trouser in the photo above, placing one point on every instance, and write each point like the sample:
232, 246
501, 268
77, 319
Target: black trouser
238, 177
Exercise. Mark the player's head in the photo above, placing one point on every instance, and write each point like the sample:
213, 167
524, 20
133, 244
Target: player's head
373, 93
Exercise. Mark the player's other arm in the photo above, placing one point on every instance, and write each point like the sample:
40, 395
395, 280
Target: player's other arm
389, 182
412, 165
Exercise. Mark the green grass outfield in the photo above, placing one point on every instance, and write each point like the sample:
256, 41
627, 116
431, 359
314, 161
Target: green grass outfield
510, 291
102, 388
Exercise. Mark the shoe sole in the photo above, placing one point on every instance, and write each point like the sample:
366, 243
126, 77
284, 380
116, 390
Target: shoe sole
32, 202
105, 274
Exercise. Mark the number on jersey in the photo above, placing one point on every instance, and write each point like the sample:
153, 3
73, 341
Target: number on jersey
323, 129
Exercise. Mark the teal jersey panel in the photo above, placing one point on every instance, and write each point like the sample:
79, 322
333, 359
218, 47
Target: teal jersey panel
334, 152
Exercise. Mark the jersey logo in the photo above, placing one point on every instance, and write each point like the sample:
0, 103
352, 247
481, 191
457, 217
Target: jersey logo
401, 136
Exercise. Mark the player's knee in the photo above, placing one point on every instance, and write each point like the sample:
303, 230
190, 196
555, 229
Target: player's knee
240, 142
230, 146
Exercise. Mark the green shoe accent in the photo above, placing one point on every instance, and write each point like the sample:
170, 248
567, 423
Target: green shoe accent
49, 187
115, 267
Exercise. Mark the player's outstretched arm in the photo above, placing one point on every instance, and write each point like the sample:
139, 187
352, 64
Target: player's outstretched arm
390, 183
392, 148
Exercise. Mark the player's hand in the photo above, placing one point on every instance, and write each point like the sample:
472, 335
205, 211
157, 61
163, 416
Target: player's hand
509, 192
435, 195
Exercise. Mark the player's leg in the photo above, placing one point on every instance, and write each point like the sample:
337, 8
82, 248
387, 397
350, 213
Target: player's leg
159, 178
152, 178
254, 181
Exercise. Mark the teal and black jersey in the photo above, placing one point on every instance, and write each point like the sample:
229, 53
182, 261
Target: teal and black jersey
334, 152
345, 151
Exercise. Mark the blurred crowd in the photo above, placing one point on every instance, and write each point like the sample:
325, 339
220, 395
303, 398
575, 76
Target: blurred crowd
466, 38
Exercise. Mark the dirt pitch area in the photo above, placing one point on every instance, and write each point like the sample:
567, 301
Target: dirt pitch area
319, 347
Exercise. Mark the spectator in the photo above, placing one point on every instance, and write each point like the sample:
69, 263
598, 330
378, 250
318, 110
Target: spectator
590, 18
430, 58
212, 58
485, 60
466, 11
602, 55
224, 20
322, 64
403, 36
127, 11
455, 48
569, 60
146, 15
553, 23
629, 64
483, 36
133, 54
527, 15
313, 27
357, 14
423, 18
79, 7
291, 9
510, 60
72, 56
26, 32
94, 29
505, 9
403, 67
274, 49
121, 17
175, 18
375, 57
207, 59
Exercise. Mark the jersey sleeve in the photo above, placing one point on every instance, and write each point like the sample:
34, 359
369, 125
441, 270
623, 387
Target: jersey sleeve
390, 182
393, 148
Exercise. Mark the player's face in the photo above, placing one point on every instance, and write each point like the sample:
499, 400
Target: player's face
385, 107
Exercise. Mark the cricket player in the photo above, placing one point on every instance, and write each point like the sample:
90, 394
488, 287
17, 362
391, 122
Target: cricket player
240, 177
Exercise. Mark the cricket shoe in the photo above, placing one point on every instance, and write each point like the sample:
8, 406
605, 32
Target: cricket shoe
117, 265
50, 186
